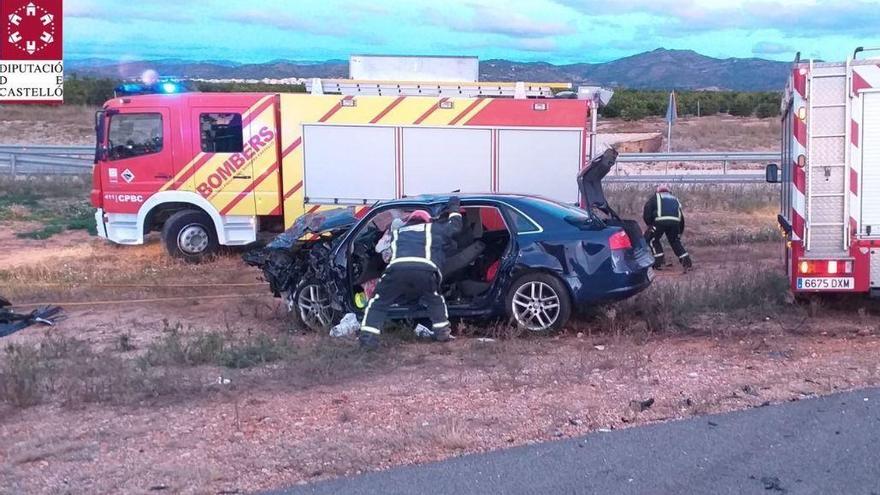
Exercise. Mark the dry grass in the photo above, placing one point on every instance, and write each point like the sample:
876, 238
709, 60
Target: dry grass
38, 124
715, 133
629, 199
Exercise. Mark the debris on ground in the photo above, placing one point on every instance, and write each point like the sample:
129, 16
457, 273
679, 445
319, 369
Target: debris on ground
11, 322
347, 327
423, 332
641, 405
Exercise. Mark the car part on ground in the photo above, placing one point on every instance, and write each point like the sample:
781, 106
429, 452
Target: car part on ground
11, 322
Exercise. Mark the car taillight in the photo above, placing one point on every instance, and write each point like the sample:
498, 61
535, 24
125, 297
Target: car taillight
822, 267
619, 240
96, 195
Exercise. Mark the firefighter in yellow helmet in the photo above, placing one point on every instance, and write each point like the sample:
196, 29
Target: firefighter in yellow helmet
663, 216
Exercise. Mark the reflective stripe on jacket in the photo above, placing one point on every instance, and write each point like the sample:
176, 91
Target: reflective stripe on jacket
424, 243
662, 208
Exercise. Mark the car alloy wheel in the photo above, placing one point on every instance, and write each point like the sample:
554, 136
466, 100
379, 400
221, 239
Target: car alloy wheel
313, 305
536, 306
193, 239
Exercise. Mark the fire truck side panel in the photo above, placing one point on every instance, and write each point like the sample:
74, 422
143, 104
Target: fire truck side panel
870, 166
401, 115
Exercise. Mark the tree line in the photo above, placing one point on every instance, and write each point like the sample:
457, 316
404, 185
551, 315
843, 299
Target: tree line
627, 104
630, 104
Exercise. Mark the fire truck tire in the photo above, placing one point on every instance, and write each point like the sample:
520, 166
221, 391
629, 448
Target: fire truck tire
190, 236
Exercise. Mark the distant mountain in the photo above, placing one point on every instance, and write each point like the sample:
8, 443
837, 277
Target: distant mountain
658, 69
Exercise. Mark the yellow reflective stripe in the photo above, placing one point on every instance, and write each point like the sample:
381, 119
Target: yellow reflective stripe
675, 219
441, 325
413, 259
371, 330
394, 243
428, 242
367, 310
659, 207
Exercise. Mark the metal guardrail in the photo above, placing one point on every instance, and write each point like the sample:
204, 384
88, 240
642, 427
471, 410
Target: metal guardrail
74, 160
46, 160
718, 171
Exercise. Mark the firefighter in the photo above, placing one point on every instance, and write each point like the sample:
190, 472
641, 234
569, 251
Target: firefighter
664, 216
414, 273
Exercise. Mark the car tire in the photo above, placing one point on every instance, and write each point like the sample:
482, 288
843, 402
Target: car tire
189, 235
538, 303
311, 306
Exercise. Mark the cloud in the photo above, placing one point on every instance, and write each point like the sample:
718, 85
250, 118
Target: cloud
537, 44
489, 19
771, 48
284, 21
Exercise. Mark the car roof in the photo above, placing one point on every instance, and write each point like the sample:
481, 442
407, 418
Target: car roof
443, 198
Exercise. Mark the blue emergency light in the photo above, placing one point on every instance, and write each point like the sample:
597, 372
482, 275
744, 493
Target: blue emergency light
166, 88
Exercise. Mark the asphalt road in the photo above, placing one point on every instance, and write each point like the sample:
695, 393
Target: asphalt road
822, 446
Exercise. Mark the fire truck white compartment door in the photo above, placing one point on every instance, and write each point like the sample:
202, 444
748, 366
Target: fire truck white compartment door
441, 160
348, 164
543, 162
870, 141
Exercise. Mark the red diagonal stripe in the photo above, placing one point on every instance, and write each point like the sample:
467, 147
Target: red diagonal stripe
859, 83
430, 111
334, 109
253, 185
389, 108
314, 209
256, 113
465, 112
293, 191
191, 170
854, 132
854, 181
292, 147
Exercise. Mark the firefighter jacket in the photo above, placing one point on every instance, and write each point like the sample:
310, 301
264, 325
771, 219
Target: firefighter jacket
664, 209
425, 245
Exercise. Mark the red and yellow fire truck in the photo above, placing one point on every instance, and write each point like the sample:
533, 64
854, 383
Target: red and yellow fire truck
216, 169
830, 175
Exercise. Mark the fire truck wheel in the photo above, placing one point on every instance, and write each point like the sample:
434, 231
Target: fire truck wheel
190, 236
538, 302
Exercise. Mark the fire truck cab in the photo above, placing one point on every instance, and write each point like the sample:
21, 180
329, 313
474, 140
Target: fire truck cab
211, 169
830, 175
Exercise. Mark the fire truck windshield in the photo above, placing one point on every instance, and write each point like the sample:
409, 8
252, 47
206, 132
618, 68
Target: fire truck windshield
134, 134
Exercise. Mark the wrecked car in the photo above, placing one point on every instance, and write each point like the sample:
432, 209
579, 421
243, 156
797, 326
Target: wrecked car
524, 258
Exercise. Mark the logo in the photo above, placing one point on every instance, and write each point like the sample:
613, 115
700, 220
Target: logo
31, 62
31, 19
127, 175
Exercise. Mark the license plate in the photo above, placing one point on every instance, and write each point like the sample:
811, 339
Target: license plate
826, 283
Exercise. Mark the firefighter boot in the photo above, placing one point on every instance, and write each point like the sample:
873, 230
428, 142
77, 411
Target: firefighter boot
368, 341
441, 334
686, 263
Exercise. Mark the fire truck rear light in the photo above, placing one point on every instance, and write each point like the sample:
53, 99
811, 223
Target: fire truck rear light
802, 113
619, 241
802, 161
802, 71
832, 268
805, 267
848, 267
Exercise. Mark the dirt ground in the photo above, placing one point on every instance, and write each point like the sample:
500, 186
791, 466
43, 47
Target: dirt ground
334, 411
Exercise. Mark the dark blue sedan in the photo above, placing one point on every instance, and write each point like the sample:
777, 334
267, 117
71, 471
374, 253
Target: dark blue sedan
526, 259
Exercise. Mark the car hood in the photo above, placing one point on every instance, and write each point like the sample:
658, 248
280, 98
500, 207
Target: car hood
336, 220
590, 181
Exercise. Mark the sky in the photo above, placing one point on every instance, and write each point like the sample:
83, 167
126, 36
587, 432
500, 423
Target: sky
556, 31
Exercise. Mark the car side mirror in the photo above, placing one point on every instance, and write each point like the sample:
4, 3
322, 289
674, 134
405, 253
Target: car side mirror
772, 173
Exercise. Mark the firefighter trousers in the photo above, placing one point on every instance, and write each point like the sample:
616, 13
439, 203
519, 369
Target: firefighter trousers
672, 231
403, 284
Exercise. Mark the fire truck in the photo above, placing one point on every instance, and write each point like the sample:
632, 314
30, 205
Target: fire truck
217, 169
830, 175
